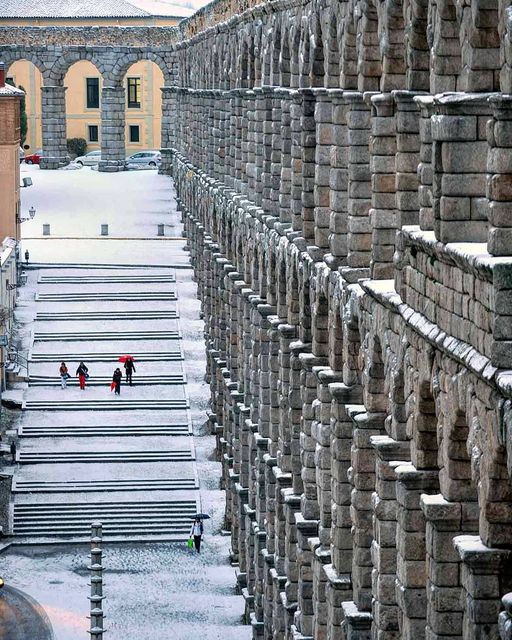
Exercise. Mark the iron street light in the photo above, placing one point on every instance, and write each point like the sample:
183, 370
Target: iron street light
31, 213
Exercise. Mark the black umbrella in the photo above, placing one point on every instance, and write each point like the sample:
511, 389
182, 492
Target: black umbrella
201, 516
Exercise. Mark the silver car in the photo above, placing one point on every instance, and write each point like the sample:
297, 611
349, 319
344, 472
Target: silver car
145, 158
90, 159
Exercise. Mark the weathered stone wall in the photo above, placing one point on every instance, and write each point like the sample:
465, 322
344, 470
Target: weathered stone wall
344, 173
349, 226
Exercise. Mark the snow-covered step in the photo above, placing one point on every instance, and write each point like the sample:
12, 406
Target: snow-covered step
116, 403
118, 519
110, 356
82, 316
74, 431
107, 279
99, 381
72, 486
54, 457
101, 336
131, 296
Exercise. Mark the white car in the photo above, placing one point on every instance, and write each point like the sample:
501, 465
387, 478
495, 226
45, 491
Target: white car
145, 158
90, 159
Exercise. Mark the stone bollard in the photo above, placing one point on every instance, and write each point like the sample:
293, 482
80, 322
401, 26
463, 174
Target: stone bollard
96, 568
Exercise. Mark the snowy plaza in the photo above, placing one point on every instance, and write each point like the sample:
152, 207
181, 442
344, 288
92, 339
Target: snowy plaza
143, 462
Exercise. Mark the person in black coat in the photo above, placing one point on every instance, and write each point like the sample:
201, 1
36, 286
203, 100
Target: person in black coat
129, 366
116, 378
82, 373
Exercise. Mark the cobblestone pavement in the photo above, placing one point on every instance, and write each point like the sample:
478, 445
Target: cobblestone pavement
148, 585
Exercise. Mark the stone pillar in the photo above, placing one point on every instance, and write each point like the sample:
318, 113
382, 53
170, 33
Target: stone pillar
359, 237
324, 140
383, 214
308, 150
168, 133
113, 152
411, 574
296, 162
285, 184
444, 521
426, 215
53, 121
499, 179
486, 575
338, 182
385, 543
460, 164
266, 168
276, 154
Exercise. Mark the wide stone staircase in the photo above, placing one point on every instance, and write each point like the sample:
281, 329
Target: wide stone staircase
88, 455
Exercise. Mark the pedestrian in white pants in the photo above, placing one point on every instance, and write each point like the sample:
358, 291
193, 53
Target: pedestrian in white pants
64, 375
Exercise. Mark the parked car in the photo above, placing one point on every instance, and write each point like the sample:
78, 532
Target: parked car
90, 159
34, 158
148, 158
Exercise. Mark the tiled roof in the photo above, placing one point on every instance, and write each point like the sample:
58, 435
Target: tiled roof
90, 9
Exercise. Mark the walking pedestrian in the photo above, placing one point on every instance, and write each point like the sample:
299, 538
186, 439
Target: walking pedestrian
83, 373
27, 257
196, 532
64, 375
13, 451
116, 378
129, 366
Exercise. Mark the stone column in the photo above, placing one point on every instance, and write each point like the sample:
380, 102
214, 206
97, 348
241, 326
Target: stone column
460, 165
359, 237
113, 152
53, 121
444, 521
286, 159
168, 134
499, 179
383, 214
338, 182
486, 575
308, 151
426, 215
324, 140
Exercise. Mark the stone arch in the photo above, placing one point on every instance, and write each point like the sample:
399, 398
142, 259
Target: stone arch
10, 56
125, 62
64, 63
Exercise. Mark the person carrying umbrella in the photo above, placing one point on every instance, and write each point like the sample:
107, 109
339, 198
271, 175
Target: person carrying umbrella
196, 532
129, 366
116, 379
83, 373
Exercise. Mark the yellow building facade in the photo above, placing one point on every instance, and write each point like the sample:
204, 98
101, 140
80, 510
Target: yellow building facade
83, 81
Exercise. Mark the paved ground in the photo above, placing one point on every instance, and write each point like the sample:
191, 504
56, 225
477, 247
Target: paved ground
149, 585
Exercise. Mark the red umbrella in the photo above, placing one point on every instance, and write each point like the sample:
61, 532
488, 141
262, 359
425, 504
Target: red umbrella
125, 358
